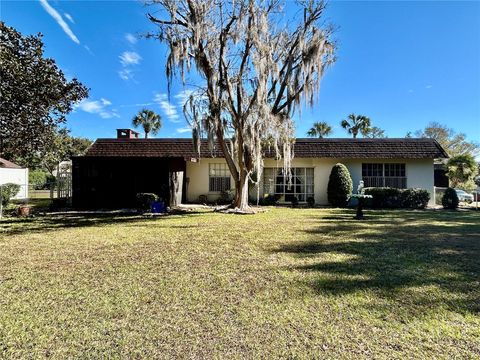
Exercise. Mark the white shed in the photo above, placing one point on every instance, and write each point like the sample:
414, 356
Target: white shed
12, 173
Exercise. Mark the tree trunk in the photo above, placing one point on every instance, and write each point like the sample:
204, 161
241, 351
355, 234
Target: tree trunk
241, 192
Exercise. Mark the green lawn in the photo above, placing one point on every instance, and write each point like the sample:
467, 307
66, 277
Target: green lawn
288, 283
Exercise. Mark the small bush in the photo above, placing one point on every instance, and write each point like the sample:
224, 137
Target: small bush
450, 199
145, 200
269, 200
415, 198
226, 197
9, 190
203, 199
384, 197
339, 186
311, 201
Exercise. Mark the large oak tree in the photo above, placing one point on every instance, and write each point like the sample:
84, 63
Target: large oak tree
259, 63
35, 96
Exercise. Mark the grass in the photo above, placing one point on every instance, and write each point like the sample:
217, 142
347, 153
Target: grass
288, 283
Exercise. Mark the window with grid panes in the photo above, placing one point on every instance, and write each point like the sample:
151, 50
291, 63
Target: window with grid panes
396, 170
218, 178
384, 175
275, 181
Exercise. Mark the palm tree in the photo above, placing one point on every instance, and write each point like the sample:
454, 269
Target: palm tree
320, 129
149, 120
356, 124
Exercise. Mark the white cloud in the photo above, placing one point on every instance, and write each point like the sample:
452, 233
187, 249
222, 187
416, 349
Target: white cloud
100, 107
428, 86
184, 130
125, 74
137, 104
131, 38
183, 96
130, 58
59, 19
105, 102
168, 108
69, 17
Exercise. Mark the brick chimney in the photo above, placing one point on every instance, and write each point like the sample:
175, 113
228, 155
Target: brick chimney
127, 134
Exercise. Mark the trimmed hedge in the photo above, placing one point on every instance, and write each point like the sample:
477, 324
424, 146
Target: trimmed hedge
340, 186
450, 199
415, 198
392, 198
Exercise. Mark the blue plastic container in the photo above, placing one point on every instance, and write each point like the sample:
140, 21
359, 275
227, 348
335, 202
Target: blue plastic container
158, 207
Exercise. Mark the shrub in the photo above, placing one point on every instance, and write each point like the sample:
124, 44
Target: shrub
311, 201
203, 199
339, 185
450, 199
384, 197
37, 179
392, 198
145, 200
226, 197
415, 198
269, 200
8, 191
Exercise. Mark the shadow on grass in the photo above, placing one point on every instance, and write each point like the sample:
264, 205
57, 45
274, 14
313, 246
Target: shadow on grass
52, 222
433, 255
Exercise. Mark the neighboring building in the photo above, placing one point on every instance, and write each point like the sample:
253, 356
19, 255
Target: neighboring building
12, 173
114, 170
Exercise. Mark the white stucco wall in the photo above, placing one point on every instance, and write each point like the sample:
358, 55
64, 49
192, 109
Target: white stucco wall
16, 176
197, 179
419, 174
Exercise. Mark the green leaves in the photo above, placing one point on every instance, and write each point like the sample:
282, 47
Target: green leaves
320, 130
149, 120
462, 170
356, 124
35, 95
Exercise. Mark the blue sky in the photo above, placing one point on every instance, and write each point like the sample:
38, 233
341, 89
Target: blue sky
403, 64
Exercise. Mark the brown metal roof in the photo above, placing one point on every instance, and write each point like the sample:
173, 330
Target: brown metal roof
8, 164
404, 148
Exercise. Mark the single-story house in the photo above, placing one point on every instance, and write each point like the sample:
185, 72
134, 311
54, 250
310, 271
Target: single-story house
113, 171
15, 174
